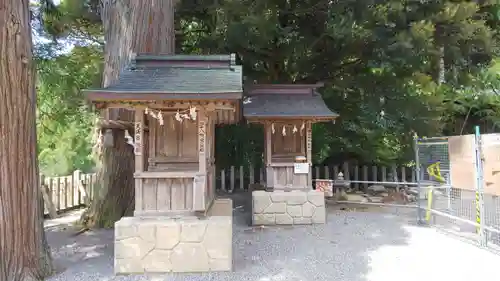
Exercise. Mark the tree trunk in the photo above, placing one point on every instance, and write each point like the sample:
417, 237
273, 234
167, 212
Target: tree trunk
24, 252
439, 65
130, 26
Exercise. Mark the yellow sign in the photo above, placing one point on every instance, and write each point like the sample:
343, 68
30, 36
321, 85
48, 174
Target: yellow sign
434, 170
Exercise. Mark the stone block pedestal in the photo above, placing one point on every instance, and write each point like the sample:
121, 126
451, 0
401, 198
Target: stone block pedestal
288, 207
186, 244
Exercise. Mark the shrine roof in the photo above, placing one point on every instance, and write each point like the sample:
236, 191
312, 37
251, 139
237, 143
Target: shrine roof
286, 101
175, 77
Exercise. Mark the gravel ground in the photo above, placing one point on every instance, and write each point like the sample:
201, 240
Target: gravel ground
376, 244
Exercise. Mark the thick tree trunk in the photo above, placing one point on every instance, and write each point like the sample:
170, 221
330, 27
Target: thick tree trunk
130, 26
24, 253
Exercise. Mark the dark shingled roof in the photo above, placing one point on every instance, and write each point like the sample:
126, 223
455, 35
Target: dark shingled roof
286, 105
177, 76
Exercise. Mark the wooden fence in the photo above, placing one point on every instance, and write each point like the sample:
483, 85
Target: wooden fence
61, 194
238, 178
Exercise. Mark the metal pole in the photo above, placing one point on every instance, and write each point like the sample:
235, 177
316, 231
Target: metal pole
480, 187
417, 174
433, 138
395, 183
448, 191
466, 221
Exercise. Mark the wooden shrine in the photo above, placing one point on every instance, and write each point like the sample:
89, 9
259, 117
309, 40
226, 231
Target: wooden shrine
287, 112
177, 101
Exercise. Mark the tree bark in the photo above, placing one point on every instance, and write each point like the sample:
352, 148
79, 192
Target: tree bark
130, 26
24, 252
439, 65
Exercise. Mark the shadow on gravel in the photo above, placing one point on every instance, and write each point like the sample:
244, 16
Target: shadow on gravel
84, 253
341, 250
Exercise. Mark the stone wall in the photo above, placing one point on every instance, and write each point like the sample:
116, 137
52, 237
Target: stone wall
187, 244
293, 207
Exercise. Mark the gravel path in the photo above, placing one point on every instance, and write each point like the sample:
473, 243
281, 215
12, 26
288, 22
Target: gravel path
353, 246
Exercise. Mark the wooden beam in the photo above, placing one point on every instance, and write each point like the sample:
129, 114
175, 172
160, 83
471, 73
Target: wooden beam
115, 124
167, 174
138, 140
216, 105
46, 192
289, 120
202, 142
268, 155
139, 156
200, 181
309, 151
211, 107
77, 180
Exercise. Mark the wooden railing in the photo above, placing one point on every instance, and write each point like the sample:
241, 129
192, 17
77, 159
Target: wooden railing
239, 177
61, 194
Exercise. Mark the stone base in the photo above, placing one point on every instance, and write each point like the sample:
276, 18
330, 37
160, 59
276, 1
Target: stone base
187, 244
294, 207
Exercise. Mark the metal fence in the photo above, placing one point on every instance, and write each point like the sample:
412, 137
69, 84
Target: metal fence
462, 208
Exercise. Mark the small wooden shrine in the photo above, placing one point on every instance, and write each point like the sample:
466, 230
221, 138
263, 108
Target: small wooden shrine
177, 101
287, 112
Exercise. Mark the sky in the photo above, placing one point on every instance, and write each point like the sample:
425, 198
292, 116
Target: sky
37, 39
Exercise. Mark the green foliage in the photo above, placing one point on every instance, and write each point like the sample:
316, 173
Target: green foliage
239, 144
64, 118
379, 61
76, 21
475, 105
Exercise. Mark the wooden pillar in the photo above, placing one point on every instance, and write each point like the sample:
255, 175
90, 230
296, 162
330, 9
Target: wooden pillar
153, 123
139, 156
309, 152
268, 154
211, 155
212, 138
202, 142
200, 180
